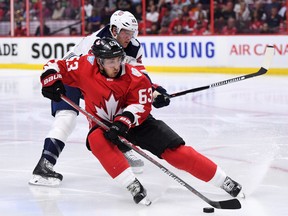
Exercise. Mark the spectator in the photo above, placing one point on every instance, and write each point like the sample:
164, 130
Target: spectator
178, 30
58, 11
3, 11
73, 31
230, 28
242, 17
256, 23
228, 11
34, 10
152, 15
47, 9
94, 22
274, 20
75, 3
219, 21
199, 29
46, 30
265, 29
185, 9
242, 11
166, 20
100, 6
258, 7
203, 19
182, 20
149, 4
19, 16
272, 4
69, 11
88, 7
19, 5
138, 12
153, 30
282, 29
110, 8
217, 11
199, 9
282, 11
163, 30
192, 7
19, 30
177, 6
124, 5
165, 9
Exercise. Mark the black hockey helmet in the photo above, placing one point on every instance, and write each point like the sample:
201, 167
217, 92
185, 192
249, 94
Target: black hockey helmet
107, 48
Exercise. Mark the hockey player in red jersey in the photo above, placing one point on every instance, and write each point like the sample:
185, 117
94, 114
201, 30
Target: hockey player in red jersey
121, 96
123, 27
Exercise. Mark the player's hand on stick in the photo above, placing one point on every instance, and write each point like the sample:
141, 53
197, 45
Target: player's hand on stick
52, 86
159, 97
119, 127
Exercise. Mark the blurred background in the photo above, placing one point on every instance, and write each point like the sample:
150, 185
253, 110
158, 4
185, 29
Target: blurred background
155, 17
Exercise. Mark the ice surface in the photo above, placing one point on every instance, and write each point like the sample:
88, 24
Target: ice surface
242, 126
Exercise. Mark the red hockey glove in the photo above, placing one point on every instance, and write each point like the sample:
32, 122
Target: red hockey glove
160, 100
52, 86
119, 127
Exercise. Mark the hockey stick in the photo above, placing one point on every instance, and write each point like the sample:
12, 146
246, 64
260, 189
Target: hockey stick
264, 68
226, 204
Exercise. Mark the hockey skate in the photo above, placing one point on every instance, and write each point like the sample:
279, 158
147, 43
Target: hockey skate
44, 175
231, 187
136, 163
139, 193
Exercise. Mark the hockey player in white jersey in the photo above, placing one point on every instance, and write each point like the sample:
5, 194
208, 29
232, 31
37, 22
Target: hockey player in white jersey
124, 28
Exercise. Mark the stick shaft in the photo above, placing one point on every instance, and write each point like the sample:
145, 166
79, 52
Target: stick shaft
263, 69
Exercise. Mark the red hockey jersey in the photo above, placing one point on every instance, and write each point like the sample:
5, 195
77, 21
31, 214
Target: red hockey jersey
106, 97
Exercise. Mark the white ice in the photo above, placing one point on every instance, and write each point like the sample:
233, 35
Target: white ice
242, 126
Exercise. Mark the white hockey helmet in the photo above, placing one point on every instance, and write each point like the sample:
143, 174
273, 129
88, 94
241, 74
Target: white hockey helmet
124, 20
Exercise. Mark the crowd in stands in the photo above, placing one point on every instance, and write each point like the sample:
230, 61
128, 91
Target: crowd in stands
230, 17
164, 17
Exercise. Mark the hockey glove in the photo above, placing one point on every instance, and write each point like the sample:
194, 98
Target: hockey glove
52, 86
119, 127
160, 100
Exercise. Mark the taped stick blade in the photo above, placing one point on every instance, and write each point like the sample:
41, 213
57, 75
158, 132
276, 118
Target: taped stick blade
269, 53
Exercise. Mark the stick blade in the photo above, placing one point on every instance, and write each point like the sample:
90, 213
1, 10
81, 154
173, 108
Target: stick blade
261, 71
269, 53
227, 204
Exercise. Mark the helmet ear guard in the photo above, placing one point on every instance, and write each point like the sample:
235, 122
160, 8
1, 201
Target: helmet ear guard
124, 20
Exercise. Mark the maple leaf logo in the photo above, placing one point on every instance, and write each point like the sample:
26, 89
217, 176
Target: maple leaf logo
108, 109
